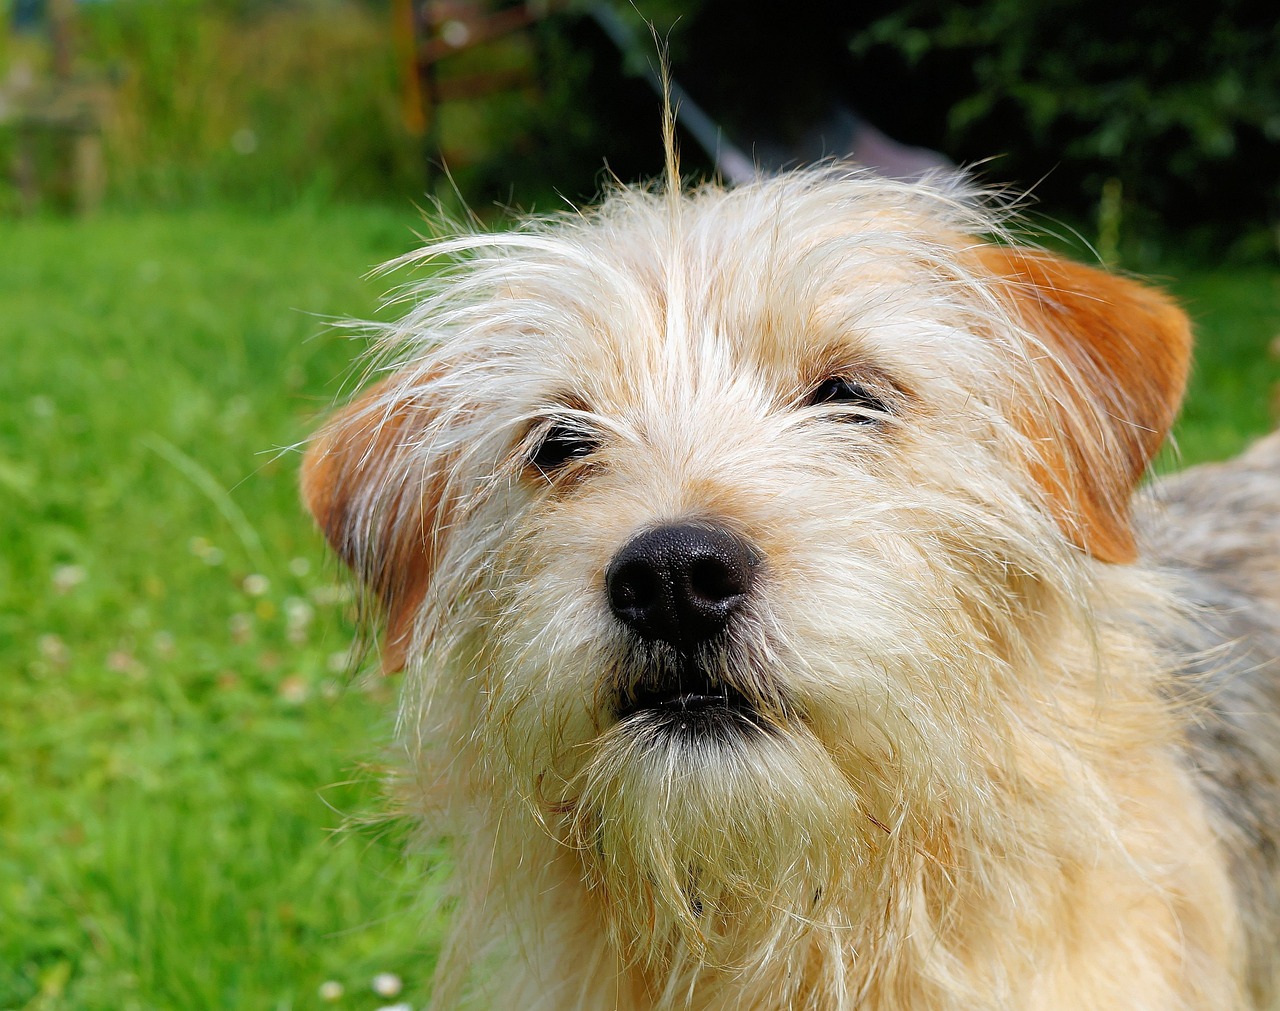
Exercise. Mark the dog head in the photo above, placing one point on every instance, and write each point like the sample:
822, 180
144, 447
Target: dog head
730, 533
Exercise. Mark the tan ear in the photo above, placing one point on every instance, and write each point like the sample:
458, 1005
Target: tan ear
1116, 355
379, 503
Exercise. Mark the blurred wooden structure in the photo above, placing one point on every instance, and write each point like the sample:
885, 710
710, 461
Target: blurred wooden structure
57, 120
429, 32
68, 114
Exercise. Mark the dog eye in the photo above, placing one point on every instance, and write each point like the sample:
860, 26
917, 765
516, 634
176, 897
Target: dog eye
848, 393
559, 445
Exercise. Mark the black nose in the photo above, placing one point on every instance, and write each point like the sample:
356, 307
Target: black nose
680, 584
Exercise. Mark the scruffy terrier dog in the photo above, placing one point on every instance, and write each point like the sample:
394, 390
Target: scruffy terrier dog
778, 629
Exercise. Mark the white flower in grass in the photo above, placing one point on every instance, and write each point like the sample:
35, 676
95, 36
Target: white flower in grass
244, 141
205, 551
67, 577
297, 612
300, 566
122, 661
53, 649
387, 984
164, 644
331, 990
402, 1006
240, 625
294, 690
256, 584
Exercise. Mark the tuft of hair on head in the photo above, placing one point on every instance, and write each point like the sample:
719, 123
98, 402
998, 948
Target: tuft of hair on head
670, 149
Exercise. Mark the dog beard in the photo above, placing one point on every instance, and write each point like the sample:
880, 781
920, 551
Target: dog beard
716, 839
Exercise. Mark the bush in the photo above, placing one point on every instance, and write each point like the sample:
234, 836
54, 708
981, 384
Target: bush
256, 102
1177, 102
1157, 117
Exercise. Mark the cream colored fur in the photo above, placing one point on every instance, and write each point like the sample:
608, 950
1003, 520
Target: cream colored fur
971, 793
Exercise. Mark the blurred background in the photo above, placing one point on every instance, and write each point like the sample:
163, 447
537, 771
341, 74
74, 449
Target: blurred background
192, 195
1163, 117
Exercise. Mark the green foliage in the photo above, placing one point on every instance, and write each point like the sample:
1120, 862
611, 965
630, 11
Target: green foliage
1235, 388
1179, 102
258, 102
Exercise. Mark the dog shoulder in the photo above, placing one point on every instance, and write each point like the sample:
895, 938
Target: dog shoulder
1222, 521
1217, 528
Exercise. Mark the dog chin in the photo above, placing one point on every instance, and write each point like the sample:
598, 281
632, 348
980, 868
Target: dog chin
708, 727
660, 735
695, 811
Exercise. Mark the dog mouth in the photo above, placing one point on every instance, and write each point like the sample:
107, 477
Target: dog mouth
684, 695
693, 695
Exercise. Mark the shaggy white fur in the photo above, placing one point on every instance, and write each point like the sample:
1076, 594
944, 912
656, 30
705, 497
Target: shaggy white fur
953, 774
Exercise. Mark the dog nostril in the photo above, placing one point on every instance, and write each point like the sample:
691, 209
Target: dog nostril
680, 584
715, 579
633, 587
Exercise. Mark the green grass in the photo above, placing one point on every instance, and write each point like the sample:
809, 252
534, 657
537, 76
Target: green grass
178, 740
1235, 387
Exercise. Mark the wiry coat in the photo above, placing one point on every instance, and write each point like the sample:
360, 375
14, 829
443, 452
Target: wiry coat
1218, 528
970, 766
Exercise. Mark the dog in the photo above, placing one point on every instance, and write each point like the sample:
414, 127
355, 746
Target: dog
781, 627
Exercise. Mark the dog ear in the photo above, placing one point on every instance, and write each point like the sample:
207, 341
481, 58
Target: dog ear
1115, 355
379, 503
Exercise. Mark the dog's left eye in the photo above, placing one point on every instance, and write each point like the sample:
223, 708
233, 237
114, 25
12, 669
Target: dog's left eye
560, 444
848, 393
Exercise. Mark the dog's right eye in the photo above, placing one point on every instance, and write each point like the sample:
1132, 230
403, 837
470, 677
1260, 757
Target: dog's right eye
865, 405
559, 445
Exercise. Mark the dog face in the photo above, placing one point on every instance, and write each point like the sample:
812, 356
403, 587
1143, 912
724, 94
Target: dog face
727, 537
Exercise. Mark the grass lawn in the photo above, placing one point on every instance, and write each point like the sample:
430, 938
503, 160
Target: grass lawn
179, 736
1235, 387
179, 732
